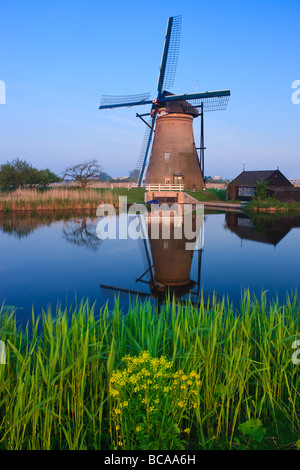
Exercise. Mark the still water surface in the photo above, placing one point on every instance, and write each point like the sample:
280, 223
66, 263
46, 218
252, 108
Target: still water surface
51, 258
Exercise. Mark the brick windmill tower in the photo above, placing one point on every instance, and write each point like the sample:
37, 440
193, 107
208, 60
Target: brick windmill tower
173, 158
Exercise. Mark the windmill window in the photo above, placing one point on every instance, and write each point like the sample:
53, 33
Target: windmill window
167, 156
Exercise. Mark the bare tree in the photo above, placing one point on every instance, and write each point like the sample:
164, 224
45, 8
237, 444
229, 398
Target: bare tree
83, 173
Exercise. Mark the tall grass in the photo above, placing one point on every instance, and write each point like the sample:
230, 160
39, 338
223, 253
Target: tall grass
54, 387
65, 198
52, 199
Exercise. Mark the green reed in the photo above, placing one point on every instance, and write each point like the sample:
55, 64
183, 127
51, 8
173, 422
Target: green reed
55, 385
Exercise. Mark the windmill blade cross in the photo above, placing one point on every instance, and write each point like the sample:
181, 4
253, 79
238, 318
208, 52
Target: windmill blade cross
168, 106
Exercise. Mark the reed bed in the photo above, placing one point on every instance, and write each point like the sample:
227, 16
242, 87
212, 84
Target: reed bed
186, 377
55, 199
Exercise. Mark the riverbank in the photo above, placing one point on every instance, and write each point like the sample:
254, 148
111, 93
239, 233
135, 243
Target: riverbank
65, 199
75, 199
188, 377
271, 206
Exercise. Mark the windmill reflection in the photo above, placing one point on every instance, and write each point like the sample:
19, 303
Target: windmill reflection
167, 260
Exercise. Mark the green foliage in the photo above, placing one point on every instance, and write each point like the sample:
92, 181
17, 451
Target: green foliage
254, 429
262, 194
261, 191
46, 177
263, 201
271, 205
20, 173
17, 173
58, 386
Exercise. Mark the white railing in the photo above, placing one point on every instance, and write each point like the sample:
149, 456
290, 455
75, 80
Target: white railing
164, 187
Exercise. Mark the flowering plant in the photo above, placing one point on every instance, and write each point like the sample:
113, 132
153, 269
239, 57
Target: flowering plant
150, 404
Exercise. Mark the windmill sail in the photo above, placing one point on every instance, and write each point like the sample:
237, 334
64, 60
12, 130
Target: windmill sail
170, 54
168, 97
147, 149
114, 101
166, 76
135, 174
218, 103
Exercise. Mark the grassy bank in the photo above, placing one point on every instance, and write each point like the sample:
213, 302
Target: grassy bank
271, 206
65, 199
188, 377
209, 195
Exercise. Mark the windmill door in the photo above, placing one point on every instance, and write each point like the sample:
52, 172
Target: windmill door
178, 178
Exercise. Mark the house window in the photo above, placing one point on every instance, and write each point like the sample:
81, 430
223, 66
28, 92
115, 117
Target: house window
167, 156
243, 222
246, 191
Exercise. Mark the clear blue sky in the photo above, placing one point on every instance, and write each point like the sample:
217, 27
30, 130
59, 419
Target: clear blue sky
58, 57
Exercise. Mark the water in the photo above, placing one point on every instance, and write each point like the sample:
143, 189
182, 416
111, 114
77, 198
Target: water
52, 258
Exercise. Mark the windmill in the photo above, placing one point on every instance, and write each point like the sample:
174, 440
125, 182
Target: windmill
174, 158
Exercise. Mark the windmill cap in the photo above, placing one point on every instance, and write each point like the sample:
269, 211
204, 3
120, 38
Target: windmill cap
180, 107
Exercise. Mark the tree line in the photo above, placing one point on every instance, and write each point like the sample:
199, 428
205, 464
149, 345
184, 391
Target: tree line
20, 173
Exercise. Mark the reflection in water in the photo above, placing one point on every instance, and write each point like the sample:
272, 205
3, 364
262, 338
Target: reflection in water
79, 227
268, 229
46, 257
22, 223
82, 232
168, 261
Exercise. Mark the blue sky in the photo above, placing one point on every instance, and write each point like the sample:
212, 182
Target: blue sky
57, 58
